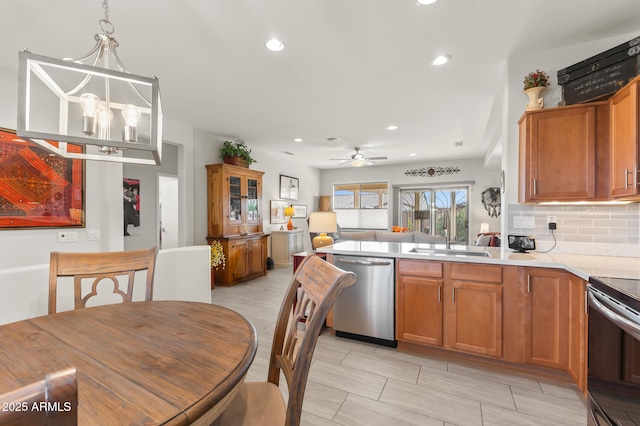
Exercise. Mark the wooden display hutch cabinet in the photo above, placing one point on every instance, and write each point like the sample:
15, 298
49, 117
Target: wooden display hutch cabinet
234, 202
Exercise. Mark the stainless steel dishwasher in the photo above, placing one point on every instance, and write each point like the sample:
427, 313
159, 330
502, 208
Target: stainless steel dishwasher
366, 310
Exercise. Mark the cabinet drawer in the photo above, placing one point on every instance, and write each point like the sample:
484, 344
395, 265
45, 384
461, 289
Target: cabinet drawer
476, 272
420, 267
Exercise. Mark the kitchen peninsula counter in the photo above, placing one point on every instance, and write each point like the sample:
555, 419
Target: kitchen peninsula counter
582, 266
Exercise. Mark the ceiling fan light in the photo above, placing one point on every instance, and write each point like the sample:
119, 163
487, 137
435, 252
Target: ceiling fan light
357, 163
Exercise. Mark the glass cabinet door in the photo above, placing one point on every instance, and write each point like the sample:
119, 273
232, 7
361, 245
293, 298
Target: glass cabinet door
252, 200
235, 198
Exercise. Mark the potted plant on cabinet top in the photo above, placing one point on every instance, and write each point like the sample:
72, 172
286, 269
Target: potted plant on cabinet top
237, 153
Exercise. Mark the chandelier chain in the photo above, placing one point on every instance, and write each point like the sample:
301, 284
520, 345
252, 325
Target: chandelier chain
105, 25
105, 7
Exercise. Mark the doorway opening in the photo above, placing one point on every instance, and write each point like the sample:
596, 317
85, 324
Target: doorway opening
168, 223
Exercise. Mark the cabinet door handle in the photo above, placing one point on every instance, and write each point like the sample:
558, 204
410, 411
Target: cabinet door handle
535, 187
626, 178
439, 294
528, 283
453, 295
635, 177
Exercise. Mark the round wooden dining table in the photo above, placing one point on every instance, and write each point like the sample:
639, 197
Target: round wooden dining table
161, 362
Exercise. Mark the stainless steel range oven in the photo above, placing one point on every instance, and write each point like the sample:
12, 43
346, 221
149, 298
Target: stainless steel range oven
613, 380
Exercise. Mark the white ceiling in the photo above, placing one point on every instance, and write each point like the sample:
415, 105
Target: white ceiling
350, 67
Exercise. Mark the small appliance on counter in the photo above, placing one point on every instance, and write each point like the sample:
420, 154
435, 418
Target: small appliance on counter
613, 380
521, 243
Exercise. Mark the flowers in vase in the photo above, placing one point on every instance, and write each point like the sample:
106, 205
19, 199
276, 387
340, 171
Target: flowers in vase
536, 78
217, 255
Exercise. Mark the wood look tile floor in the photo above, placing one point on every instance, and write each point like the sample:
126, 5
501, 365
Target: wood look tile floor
355, 383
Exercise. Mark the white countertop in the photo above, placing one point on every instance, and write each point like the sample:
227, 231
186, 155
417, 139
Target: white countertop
582, 266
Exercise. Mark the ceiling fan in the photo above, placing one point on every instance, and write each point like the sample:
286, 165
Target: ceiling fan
359, 160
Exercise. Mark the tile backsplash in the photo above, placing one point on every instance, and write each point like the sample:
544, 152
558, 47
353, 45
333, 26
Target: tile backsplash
612, 230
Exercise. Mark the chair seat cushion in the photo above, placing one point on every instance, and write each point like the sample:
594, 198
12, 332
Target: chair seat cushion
257, 403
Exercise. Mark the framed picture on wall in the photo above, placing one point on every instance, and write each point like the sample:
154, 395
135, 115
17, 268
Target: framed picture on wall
299, 210
277, 211
289, 187
39, 190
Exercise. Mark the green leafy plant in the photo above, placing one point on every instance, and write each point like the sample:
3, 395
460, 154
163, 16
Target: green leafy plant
236, 148
536, 78
217, 255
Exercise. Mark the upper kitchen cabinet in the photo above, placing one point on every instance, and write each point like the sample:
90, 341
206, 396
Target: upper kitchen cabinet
234, 198
564, 153
625, 114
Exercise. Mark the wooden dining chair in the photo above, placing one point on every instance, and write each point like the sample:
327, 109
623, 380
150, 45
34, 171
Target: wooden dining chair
317, 284
95, 267
52, 401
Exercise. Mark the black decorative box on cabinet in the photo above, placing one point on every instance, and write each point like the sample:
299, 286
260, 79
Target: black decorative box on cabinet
600, 76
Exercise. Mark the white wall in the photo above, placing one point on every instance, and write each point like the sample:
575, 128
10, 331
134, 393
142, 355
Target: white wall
470, 171
550, 61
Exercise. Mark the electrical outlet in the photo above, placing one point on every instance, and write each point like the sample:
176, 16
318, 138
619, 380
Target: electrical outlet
94, 235
552, 222
67, 237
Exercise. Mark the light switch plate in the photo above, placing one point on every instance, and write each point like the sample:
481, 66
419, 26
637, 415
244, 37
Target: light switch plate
67, 237
524, 222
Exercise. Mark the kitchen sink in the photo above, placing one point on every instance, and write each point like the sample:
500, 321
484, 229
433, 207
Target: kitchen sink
449, 252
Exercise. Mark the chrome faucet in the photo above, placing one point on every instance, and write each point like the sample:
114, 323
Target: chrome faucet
445, 226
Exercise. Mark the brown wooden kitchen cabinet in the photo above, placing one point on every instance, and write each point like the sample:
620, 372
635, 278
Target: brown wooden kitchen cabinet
546, 322
577, 356
234, 204
624, 156
473, 318
419, 287
453, 305
563, 153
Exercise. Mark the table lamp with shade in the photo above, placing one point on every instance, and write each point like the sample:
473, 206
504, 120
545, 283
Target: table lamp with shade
288, 212
322, 223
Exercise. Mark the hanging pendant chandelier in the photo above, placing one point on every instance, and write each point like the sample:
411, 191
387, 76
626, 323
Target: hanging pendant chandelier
92, 101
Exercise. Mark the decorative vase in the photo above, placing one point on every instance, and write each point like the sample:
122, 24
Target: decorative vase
536, 101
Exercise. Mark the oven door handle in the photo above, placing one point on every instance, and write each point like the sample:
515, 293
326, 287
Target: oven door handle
629, 326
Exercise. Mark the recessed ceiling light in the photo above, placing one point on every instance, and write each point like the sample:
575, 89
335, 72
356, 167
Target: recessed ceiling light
392, 127
441, 60
425, 2
413, 154
333, 139
275, 45
297, 140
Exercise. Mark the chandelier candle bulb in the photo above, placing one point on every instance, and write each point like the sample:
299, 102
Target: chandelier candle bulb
90, 104
131, 115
